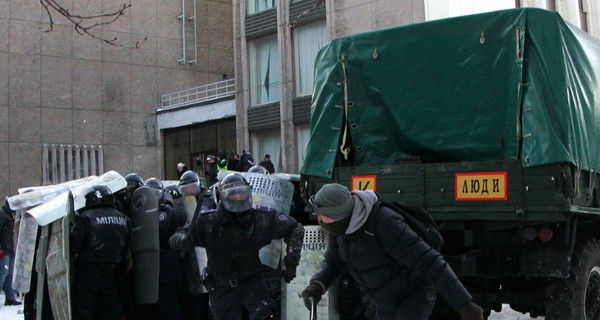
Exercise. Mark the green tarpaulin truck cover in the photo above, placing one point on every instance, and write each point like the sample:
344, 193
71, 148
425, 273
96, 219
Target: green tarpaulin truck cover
513, 84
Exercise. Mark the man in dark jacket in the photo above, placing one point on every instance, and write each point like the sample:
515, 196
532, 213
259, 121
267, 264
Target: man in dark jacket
235, 163
247, 160
7, 221
99, 244
396, 270
169, 269
267, 164
211, 171
232, 236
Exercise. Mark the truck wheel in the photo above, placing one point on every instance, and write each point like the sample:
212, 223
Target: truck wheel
578, 297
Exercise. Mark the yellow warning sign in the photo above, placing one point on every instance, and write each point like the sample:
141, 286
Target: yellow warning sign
481, 186
364, 183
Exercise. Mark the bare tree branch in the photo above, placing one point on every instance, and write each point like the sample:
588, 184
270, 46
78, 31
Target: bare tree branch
87, 25
317, 4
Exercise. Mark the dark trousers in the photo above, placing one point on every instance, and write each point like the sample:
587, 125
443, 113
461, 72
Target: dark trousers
29, 300
95, 295
227, 302
417, 305
195, 307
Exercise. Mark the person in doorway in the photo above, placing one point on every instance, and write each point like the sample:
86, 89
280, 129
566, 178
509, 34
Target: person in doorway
395, 269
234, 163
247, 160
181, 168
211, 170
221, 162
267, 164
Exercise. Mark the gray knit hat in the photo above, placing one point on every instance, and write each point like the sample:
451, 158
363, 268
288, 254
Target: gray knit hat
333, 201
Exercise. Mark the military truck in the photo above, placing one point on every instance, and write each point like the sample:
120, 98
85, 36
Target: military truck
492, 123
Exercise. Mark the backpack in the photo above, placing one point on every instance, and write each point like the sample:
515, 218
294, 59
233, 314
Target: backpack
418, 219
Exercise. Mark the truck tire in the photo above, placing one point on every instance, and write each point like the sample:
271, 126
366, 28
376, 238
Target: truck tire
578, 296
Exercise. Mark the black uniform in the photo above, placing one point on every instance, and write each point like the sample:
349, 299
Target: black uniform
99, 242
169, 269
232, 242
268, 165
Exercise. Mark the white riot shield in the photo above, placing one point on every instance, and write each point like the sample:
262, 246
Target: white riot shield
33, 196
292, 305
275, 193
190, 203
58, 263
24, 253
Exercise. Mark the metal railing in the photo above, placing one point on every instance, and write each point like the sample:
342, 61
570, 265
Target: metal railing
206, 92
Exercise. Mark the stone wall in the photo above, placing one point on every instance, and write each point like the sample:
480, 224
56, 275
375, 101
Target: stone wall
62, 88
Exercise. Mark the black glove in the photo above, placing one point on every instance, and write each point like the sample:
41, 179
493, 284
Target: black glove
471, 311
180, 239
315, 289
289, 273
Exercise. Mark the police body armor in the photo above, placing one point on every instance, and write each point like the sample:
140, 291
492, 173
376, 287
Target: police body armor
237, 258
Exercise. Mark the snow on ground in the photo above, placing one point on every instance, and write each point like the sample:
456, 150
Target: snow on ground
16, 313
10, 312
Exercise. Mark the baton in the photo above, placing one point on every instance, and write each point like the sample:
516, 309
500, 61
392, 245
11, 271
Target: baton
313, 308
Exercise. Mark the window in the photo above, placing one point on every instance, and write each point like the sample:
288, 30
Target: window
264, 70
267, 141
583, 19
255, 6
308, 40
439, 9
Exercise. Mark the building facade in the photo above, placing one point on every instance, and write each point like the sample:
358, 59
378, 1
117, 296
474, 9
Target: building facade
71, 105
276, 42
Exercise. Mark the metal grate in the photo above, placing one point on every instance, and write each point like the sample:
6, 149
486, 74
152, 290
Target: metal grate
301, 109
189, 41
206, 92
62, 163
265, 116
262, 23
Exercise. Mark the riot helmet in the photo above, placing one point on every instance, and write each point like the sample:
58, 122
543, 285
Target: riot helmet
98, 195
154, 183
190, 184
174, 191
235, 193
258, 169
134, 181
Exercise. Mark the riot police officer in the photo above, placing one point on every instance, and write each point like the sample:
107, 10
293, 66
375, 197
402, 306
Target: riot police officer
123, 196
169, 277
195, 302
232, 236
99, 243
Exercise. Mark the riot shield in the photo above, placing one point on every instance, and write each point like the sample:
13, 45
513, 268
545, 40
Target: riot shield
194, 260
145, 244
58, 264
40, 267
313, 249
25, 252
